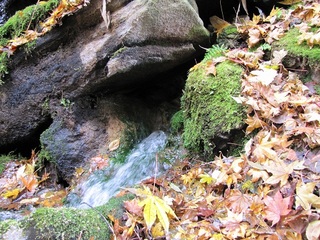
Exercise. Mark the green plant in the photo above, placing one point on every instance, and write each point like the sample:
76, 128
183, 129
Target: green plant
214, 51
177, 121
266, 47
66, 103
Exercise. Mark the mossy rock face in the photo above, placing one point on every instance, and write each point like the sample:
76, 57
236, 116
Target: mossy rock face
210, 112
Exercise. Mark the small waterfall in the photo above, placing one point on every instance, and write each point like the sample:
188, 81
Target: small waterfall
102, 185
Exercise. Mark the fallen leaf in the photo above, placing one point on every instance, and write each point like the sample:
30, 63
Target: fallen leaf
313, 230
277, 206
114, 145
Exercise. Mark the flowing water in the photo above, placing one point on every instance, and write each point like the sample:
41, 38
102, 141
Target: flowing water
102, 185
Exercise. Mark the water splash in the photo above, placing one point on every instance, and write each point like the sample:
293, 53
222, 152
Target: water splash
102, 185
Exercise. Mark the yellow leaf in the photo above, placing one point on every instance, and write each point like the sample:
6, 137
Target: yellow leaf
157, 231
12, 193
205, 178
149, 211
161, 213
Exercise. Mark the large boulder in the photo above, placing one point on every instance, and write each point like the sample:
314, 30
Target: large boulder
88, 57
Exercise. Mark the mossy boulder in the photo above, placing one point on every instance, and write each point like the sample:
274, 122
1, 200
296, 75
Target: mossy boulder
65, 223
300, 56
210, 113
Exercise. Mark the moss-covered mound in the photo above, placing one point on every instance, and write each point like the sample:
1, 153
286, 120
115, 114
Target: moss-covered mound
210, 112
289, 42
65, 223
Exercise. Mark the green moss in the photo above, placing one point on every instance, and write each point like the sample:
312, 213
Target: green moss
6, 224
208, 107
114, 206
176, 122
120, 50
31, 15
67, 223
289, 42
4, 159
4, 59
133, 133
18, 23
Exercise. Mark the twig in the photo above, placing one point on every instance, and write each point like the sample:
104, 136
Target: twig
155, 174
221, 9
32, 15
105, 14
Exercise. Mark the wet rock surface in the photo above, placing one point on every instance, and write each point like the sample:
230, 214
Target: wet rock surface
84, 57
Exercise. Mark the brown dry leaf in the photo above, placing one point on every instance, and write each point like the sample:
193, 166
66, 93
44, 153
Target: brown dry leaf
30, 182
290, 2
238, 201
263, 148
280, 172
254, 123
133, 207
218, 24
254, 37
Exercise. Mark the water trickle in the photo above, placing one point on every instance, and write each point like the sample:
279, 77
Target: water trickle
102, 185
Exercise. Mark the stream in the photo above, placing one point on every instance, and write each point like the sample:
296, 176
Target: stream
103, 184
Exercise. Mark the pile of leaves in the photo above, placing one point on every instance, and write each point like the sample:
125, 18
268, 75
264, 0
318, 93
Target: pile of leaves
21, 186
270, 191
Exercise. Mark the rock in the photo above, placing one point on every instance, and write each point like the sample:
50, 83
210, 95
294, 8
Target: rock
83, 57
212, 118
88, 130
65, 223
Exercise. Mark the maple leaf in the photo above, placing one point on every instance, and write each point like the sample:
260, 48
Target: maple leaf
264, 75
153, 208
254, 123
305, 196
277, 206
30, 182
218, 24
263, 148
238, 201
280, 172
254, 37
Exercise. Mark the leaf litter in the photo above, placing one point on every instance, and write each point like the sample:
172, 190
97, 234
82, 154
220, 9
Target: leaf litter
271, 191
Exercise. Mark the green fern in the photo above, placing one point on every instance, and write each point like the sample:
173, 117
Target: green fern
214, 51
